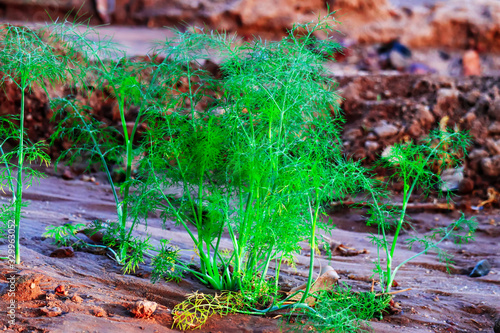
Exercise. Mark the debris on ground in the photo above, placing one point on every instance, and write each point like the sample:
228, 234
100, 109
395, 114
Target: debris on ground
143, 309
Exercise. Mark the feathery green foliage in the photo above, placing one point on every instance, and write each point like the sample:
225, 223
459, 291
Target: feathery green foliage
251, 152
26, 60
417, 165
340, 310
102, 69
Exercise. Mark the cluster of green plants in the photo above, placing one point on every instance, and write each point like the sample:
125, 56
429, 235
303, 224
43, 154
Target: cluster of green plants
255, 154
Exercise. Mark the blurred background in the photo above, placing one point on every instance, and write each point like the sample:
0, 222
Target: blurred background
446, 37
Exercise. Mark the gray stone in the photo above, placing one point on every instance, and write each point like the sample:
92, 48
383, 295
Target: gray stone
451, 179
491, 166
385, 130
478, 153
371, 145
482, 268
352, 134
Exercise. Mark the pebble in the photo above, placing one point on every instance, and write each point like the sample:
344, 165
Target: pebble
494, 128
77, 299
424, 115
51, 311
371, 145
63, 252
352, 134
385, 130
143, 309
84, 238
68, 175
451, 179
478, 153
98, 311
61, 290
491, 166
482, 268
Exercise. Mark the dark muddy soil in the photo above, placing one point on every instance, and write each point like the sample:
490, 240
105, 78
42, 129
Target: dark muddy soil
437, 302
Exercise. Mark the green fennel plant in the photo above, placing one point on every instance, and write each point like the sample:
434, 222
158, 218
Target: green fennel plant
417, 165
26, 60
254, 155
102, 67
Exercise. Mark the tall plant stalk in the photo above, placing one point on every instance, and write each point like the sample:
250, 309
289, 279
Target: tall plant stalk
413, 164
27, 60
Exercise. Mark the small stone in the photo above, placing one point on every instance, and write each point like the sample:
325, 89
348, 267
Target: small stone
84, 238
32, 285
473, 96
327, 280
494, 128
61, 290
415, 129
352, 134
471, 63
97, 237
493, 146
68, 175
77, 299
143, 309
385, 130
491, 166
98, 311
371, 145
63, 252
469, 117
478, 153
371, 137
424, 115
482, 268
446, 102
51, 311
451, 179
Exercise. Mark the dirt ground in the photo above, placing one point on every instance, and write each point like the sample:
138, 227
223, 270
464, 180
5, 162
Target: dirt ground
437, 301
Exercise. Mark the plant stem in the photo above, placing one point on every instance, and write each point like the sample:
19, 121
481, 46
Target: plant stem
313, 247
19, 184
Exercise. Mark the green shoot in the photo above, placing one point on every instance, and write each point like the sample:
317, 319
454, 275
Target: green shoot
26, 60
417, 165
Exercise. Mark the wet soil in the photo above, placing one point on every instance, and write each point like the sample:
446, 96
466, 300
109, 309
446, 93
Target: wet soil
437, 302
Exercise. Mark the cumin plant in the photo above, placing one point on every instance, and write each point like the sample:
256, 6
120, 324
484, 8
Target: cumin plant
415, 165
26, 60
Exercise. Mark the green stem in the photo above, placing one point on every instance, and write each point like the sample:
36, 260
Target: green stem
19, 184
313, 247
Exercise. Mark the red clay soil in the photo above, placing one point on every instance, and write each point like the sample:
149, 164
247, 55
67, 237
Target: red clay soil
98, 296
